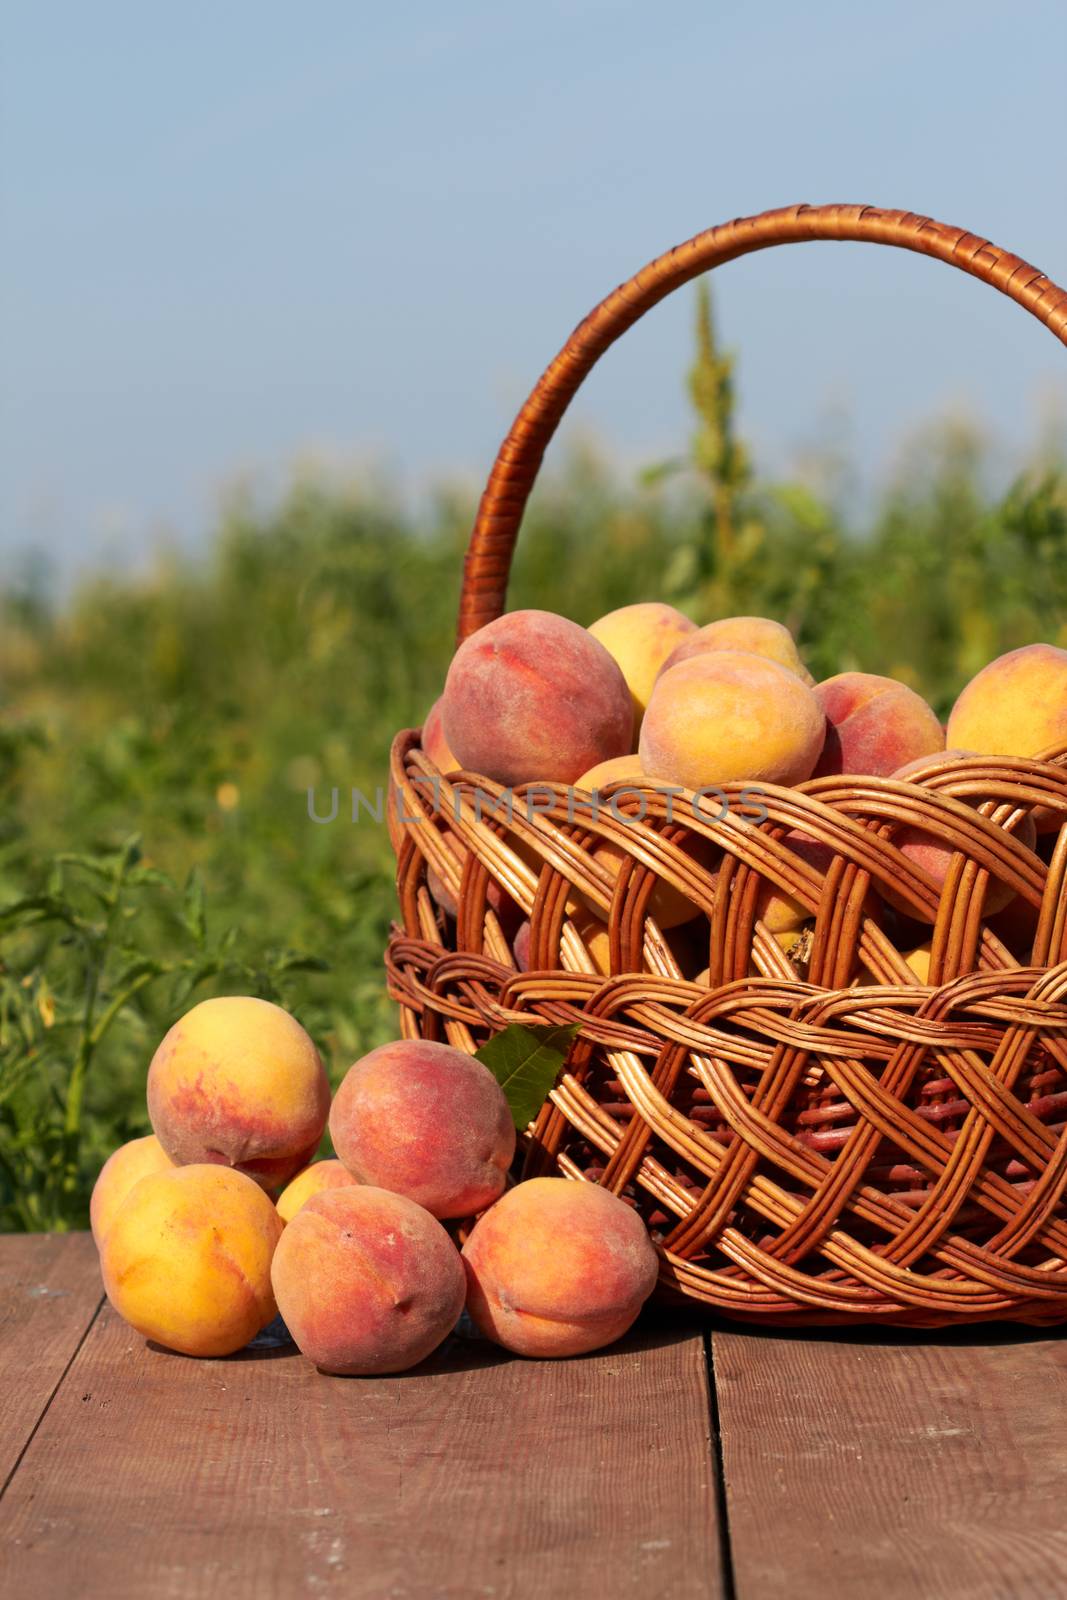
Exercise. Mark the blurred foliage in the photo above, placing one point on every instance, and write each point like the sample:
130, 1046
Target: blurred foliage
194, 705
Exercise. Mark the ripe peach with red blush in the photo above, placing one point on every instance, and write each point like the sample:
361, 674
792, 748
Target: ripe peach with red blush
558, 1268
426, 1121
366, 1281
873, 725
533, 696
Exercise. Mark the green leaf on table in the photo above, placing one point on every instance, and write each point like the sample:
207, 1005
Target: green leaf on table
526, 1061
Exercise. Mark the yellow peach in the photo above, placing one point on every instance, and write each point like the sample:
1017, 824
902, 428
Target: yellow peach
759, 636
934, 856
668, 905
780, 912
728, 716
123, 1168
594, 935
1016, 706
320, 1175
237, 1081
434, 743
186, 1259
533, 697
620, 769
641, 637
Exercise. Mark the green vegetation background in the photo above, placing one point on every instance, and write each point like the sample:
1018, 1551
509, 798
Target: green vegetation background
159, 732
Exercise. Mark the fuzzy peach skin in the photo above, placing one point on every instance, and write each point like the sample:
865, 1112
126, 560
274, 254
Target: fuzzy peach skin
557, 1268
186, 1259
1016, 706
320, 1175
428, 1122
531, 696
728, 716
757, 635
123, 1168
237, 1081
640, 638
874, 725
367, 1281
434, 743
933, 856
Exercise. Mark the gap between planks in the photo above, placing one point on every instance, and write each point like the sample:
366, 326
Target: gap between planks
885, 1463
49, 1294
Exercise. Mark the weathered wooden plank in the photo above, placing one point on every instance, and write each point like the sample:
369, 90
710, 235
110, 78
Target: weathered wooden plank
887, 1464
49, 1293
478, 1474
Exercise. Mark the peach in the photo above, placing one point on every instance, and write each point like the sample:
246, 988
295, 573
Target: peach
557, 1268
123, 1168
186, 1259
667, 904
1016, 706
591, 930
237, 1081
620, 769
428, 1122
520, 946
434, 743
320, 1175
874, 725
496, 896
930, 853
532, 695
640, 638
367, 1281
759, 636
729, 716
780, 912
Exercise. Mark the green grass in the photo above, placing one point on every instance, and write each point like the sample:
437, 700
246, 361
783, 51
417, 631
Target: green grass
159, 733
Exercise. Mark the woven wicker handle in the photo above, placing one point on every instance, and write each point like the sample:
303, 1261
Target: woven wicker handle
488, 562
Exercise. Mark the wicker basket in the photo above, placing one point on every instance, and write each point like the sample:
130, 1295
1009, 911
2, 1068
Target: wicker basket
834, 1142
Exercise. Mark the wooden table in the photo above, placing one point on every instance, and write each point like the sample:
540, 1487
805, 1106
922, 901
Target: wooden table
684, 1462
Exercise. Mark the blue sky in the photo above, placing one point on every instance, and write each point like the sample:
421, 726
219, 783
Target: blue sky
236, 235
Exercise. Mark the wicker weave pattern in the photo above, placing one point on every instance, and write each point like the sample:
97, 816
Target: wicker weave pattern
830, 1140
892, 1150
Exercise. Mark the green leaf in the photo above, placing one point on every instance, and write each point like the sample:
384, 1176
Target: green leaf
526, 1063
